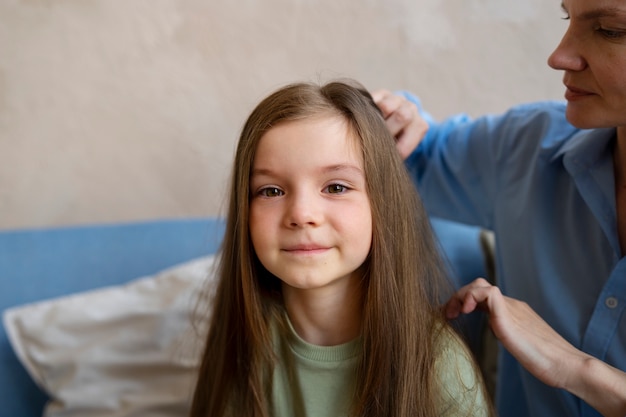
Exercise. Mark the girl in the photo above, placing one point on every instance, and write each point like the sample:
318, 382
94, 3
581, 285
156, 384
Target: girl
329, 275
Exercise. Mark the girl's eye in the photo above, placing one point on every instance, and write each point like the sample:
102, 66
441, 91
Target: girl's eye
336, 189
271, 192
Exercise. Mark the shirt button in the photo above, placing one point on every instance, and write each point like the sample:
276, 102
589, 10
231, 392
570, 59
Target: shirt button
611, 302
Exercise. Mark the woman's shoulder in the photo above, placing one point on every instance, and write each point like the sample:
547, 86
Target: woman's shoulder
460, 386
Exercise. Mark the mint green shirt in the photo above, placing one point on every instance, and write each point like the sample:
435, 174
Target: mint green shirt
325, 379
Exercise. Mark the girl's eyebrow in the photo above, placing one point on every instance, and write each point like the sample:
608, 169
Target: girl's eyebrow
343, 167
260, 171
330, 168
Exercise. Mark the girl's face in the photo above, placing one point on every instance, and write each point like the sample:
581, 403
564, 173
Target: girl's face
593, 55
310, 216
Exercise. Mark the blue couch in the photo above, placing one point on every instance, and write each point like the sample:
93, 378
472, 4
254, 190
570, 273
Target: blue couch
37, 264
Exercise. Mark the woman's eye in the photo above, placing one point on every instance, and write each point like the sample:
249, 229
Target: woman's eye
336, 189
611, 34
271, 192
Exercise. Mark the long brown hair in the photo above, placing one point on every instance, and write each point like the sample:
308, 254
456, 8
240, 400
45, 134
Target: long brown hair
401, 286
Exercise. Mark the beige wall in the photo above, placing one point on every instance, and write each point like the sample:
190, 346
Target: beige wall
118, 111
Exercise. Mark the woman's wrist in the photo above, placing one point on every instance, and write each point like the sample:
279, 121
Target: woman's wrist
599, 384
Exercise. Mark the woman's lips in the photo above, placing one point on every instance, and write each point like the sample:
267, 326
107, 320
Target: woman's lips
572, 93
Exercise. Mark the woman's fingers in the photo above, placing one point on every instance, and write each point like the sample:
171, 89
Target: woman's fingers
402, 119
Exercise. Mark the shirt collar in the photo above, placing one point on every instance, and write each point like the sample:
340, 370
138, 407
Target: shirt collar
588, 158
586, 149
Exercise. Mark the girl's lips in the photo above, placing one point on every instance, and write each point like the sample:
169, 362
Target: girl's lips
305, 250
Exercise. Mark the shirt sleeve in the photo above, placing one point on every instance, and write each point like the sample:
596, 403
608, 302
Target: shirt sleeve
462, 164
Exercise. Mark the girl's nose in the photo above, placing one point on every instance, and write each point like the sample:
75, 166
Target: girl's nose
303, 210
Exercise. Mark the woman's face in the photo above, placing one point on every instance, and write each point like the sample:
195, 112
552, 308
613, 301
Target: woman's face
592, 54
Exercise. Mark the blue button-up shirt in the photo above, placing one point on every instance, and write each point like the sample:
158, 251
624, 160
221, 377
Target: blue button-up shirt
546, 189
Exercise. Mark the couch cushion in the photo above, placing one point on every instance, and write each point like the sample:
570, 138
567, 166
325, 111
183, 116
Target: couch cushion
128, 350
45, 263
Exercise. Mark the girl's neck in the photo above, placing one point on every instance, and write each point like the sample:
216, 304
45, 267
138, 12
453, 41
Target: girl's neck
326, 316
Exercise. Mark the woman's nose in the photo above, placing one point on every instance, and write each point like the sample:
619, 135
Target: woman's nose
568, 54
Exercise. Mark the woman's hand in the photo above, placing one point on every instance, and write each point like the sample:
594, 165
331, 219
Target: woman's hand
541, 350
403, 120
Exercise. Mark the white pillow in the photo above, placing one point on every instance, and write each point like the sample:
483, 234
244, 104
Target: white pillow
121, 351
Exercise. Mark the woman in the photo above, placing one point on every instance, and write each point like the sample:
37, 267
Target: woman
549, 179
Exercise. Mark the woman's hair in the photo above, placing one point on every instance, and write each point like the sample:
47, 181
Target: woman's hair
403, 275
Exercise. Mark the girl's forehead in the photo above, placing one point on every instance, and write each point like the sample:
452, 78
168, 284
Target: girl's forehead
321, 123
327, 138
